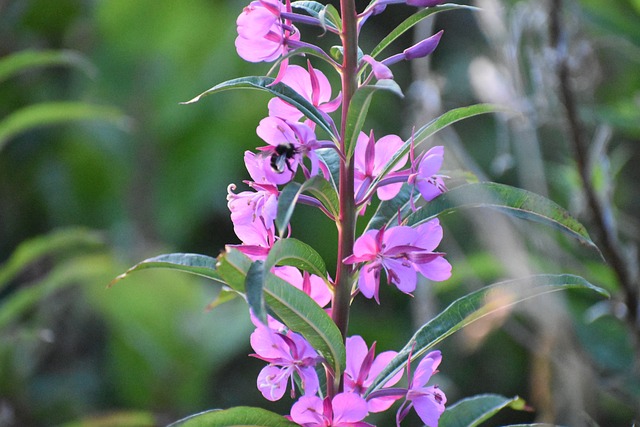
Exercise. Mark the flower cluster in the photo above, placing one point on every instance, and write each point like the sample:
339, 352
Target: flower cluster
267, 32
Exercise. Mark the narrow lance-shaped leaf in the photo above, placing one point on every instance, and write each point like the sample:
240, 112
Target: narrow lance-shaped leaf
358, 109
295, 308
475, 410
50, 113
446, 119
280, 90
298, 254
254, 285
331, 159
474, 306
288, 198
414, 19
326, 14
510, 200
240, 416
200, 265
303, 315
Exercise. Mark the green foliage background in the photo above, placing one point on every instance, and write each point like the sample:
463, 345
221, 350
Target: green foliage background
83, 200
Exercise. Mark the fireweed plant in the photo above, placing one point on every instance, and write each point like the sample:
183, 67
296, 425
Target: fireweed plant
317, 152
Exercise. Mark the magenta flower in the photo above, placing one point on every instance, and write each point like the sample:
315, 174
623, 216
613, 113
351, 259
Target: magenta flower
362, 368
425, 176
313, 85
310, 284
418, 50
399, 251
287, 353
345, 410
253, 214
370, 158
262, 34
427, 401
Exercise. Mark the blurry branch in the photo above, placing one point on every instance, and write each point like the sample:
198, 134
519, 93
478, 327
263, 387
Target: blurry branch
607, 236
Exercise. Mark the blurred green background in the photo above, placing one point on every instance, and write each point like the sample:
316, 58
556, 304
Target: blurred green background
123, 172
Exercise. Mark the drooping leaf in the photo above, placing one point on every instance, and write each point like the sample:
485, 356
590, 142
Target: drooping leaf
200, 265
298, 254
474, 306
359, 108
280, 90
414, 19
510, 200
331, 159
240, 416
18, 62
254, 285
57, 242
446, 119
50, 113
326, 14
288, 198
303, 315
233, 265
474, 410
292, 306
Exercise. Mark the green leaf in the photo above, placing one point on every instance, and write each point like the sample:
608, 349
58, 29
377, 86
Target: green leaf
511, 200
359, 108
50, 113
472, 411
233, 266
280, 90
200, 265
286, 205
414, 19
241, 416
54, 243
288, 198
254, 284
387, 212
446, 119
298, 254
474, 306
326, 14
331, 158
18, 62
294, 308
303, 315
225, 295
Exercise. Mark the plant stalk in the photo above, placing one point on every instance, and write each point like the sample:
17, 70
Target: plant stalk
347, 216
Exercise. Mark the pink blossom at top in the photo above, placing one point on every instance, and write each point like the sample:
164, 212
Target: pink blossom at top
427, 401
344, 410
426, 178
313, 85
400, 251
310, 284
286, 353
262, 36
370, 158
362, 368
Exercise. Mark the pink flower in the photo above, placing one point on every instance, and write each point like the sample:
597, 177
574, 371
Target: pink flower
399, 251
425, 176
370, 158
313, 85
427, 401
253, 214
262, 35
362, 369
286, 353
345, 410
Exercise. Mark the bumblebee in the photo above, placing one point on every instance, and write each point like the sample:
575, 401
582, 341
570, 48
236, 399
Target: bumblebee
281, 157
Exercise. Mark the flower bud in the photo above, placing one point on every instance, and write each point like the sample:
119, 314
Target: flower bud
423, 48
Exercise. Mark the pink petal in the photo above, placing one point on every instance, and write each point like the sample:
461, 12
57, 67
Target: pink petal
348, 408
272, 382
405, 279
356, 352
437, 270
426, 368
429, 407
308, 410
428, 235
